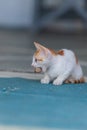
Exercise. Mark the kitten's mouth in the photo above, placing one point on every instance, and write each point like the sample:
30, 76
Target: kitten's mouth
38, 70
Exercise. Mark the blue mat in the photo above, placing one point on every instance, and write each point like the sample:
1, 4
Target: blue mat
28, 103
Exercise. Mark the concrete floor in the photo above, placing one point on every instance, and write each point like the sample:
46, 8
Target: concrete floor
17, 48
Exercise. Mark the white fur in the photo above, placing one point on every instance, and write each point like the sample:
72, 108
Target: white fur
59, 68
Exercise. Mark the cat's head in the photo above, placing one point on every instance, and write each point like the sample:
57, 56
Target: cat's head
41, 57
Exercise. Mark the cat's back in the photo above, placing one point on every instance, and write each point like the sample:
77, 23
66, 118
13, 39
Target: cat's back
65, 52
67, 55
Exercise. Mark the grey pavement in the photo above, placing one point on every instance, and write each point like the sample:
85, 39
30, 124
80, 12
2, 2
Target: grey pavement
17, 48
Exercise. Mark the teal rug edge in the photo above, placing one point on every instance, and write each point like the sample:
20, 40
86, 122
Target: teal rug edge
29, 103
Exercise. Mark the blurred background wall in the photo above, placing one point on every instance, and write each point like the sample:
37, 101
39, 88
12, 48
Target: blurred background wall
20, 13
16, 13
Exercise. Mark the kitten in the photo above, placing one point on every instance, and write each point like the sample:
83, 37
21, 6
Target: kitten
60, 67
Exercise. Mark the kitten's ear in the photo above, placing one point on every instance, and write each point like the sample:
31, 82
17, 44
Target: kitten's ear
42, 48
37, 45
44, 51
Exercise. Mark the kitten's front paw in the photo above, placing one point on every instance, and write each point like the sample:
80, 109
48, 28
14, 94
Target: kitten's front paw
45, 81
57, 82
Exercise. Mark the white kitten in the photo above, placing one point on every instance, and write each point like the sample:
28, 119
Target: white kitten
59, 67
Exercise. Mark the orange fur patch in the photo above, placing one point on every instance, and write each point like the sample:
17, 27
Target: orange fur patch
61, 52
37, 53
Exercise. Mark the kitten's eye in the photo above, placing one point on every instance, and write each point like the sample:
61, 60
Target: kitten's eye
40, 60
35, 60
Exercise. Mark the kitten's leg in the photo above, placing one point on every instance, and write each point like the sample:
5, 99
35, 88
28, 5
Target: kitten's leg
69, 80
72, 80
77, 74
61, 78
45, 80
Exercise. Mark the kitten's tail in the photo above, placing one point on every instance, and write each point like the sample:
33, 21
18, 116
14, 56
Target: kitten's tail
81, 80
